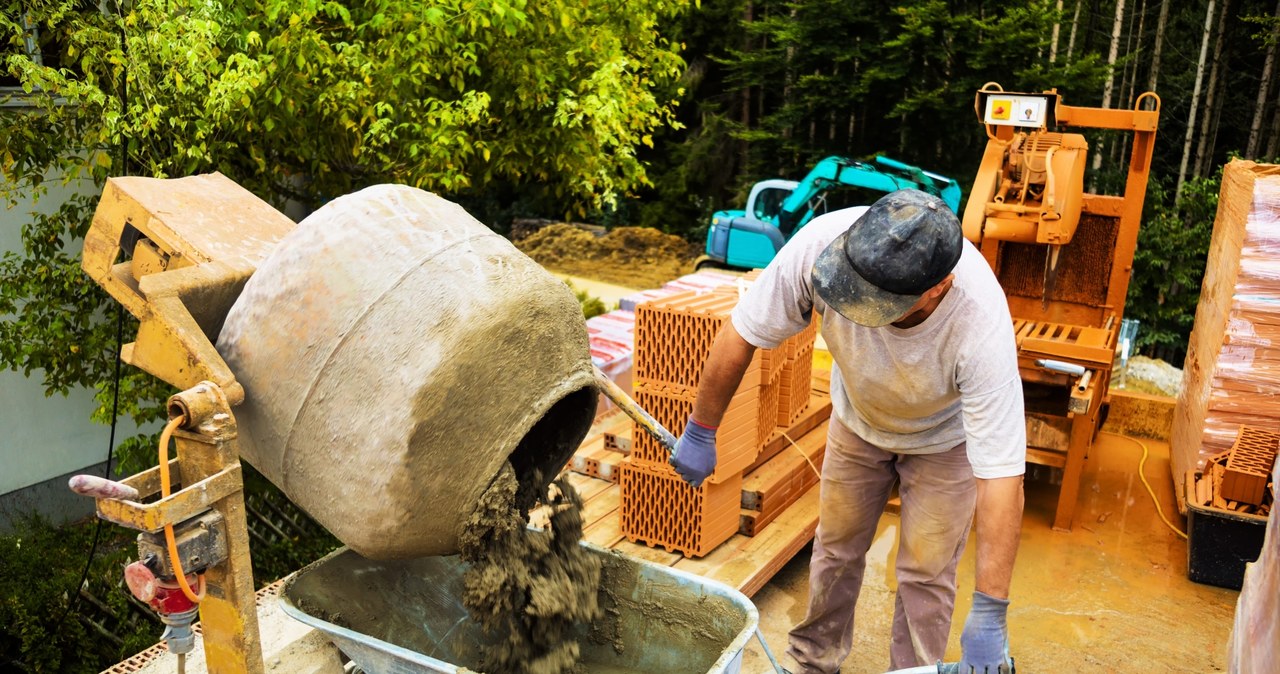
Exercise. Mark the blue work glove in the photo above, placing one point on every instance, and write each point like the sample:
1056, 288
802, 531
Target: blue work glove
695, 455
984, 644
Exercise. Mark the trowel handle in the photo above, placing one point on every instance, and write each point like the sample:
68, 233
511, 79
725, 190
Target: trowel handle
100, 487
637, 413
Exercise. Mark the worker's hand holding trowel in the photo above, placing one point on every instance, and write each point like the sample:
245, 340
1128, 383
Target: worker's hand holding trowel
984, 644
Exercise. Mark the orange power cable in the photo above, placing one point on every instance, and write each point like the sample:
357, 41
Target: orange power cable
168, 528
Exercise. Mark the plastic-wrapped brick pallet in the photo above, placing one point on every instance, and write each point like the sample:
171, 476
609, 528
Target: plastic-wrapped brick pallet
1232, 369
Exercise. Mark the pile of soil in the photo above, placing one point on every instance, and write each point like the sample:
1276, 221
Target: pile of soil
636, 257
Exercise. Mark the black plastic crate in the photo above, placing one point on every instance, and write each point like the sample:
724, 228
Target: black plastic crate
1220, 543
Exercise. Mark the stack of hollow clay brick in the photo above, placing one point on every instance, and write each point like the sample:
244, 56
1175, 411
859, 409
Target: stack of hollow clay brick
1239, 479
673, 338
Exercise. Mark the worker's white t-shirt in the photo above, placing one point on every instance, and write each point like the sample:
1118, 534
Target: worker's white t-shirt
951, 379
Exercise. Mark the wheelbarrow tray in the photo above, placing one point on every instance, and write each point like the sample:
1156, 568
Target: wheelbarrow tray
406, 616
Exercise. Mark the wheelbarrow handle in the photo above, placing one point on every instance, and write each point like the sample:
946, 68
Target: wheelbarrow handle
633, 410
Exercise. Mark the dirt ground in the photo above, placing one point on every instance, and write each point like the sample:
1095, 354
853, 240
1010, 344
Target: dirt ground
636, 257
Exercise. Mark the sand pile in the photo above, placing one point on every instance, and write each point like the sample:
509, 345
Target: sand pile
639, 257
1148, 375
529, 587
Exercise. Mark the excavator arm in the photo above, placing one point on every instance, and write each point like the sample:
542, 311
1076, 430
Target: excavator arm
882, 175
777, 208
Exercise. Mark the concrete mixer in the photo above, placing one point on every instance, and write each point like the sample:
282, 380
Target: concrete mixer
385, 357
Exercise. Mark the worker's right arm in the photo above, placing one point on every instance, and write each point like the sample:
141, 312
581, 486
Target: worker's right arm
695, 455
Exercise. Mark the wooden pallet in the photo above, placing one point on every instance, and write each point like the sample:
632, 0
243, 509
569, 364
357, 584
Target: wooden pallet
742, 562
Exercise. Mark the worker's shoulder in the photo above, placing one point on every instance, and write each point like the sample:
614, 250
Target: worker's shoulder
823, 229
981, 288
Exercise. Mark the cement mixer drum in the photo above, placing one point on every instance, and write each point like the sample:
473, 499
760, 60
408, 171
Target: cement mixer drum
395, 353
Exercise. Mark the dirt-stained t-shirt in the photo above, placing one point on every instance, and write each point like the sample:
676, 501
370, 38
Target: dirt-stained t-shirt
953, 378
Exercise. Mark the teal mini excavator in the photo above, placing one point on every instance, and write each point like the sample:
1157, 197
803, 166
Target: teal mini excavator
777, 209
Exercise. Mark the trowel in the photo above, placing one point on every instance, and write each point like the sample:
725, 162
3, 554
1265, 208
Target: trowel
632, 409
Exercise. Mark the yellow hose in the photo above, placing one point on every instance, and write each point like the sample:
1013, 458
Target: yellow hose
169, 538
1143, 477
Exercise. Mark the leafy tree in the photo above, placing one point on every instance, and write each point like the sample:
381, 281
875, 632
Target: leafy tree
1169, 265
302, 101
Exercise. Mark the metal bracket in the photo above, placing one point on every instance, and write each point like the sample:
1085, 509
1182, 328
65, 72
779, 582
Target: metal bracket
202, 542
188, 502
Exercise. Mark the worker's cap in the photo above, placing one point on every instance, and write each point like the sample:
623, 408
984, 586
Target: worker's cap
905, 243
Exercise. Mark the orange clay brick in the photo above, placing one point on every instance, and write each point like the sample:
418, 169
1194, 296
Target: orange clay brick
737, 441
796, 384
1249, 465
674, 334
618, 441
767, 412
659, 509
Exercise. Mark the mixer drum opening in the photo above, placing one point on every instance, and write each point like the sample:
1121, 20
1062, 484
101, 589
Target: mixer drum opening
549, 445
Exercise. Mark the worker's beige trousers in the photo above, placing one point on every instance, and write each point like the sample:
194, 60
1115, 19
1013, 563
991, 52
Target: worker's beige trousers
938, 493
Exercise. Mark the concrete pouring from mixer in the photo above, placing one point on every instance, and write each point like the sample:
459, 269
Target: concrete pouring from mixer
395, 353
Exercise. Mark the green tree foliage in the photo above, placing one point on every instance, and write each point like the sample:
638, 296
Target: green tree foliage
302, 101
45, 627
1169, 265
773, 85
42, 566
783, 83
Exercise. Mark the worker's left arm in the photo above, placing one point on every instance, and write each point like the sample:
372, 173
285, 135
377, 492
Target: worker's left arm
995, 426
997, 451
999, 526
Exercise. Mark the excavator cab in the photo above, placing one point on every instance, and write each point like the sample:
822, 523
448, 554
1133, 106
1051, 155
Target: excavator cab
777, 209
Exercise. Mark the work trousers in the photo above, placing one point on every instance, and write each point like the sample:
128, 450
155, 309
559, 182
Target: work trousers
938, 493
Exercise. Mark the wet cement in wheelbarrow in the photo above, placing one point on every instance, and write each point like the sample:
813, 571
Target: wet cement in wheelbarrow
529, 588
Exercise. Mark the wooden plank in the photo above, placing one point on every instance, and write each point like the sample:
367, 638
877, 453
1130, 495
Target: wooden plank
655, 555
587, 487
1067, 351
1044, 457
605, 532
821, 381
604, 505
1048, 431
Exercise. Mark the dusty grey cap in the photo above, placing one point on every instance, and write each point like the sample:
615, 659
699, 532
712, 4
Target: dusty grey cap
906, 243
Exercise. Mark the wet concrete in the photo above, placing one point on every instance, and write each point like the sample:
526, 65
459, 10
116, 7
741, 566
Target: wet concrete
1110, 596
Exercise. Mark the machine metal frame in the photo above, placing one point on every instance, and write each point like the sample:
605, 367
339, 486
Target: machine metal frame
176, 254
1051, 329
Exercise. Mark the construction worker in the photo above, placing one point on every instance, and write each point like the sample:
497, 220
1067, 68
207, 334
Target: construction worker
925, 392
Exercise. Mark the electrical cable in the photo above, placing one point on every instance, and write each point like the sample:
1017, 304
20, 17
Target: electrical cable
115, 382
111, 443
806, 456
1143, 477
169, 538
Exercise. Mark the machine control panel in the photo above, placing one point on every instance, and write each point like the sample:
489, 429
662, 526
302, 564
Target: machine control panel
1024, 110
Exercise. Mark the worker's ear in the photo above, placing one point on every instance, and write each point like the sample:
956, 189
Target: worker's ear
940, 288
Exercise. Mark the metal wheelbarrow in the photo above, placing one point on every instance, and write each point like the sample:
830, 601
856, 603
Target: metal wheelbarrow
406, 616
